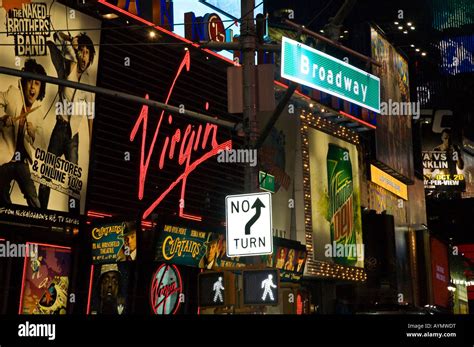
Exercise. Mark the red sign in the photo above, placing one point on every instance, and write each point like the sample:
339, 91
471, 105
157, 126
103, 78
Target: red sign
166, 290
216, 28
189, 141
440, 272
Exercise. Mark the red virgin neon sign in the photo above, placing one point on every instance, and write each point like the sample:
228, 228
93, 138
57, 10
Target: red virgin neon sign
188, 141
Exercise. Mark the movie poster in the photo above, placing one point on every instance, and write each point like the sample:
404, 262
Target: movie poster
114, 242
108, 294
335, 200
183, 246
393, 134
290, 260
215, 255
45, 280
45, 129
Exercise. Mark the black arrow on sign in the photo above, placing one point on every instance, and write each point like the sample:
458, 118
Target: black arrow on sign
257, 205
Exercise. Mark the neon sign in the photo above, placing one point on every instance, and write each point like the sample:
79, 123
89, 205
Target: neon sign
189, 141
166, 289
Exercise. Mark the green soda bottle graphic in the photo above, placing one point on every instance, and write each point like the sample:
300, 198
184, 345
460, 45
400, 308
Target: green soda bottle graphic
341, 213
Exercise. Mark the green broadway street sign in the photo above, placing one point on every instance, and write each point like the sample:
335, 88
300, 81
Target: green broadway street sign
315, 69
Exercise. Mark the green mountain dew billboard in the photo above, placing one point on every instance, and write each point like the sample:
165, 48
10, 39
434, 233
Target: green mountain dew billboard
335, 197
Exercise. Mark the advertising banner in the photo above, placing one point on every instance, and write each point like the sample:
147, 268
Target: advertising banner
108, 294
443, 158
183, 246
45, 280
335, 194
393, 134
288, 258
45, 129
113, 242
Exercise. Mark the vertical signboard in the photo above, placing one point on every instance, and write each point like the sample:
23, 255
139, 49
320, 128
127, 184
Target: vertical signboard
440, 275
393, 134
45, 129
443, 157
335, 193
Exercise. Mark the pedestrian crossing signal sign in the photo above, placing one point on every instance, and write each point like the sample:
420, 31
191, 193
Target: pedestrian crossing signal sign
261, 287
215, 289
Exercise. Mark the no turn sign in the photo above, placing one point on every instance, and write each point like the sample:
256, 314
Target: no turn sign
249, 224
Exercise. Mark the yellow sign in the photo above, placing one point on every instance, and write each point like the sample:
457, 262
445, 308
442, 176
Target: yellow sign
388, 182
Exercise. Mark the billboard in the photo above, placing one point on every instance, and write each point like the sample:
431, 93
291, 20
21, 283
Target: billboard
109, 288
113, 242
45, 129
45, 282
443, 158
393, 134
335, 195
289, 257
457, 54
183, 246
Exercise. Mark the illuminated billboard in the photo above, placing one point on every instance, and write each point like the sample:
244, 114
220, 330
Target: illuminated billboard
335, 196
112, 242
393, 134
442, 154
47, 165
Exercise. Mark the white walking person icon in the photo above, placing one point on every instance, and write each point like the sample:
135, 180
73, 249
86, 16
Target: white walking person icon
268, 285
217, 287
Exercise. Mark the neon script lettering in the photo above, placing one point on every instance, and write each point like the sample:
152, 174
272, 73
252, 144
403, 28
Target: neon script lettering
189, 141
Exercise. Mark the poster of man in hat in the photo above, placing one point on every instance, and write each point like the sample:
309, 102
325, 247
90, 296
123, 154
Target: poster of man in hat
108, 294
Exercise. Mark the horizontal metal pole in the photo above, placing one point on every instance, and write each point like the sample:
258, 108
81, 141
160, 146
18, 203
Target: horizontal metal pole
331, 42
229, 46
118, 95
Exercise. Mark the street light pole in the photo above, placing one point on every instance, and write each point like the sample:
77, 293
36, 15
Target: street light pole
248, 41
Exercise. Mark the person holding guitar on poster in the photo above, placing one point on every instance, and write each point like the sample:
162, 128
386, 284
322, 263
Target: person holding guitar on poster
19, 124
